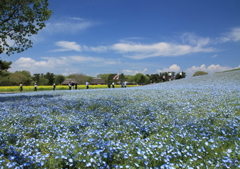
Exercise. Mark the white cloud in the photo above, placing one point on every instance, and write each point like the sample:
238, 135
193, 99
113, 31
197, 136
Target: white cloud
214, 56
62, 65
95, 49
73, 46
76, 18
162, 49
89, 60
42, 66
173, 68
69, 25
67, 46
210, 69
133, 72
233, 35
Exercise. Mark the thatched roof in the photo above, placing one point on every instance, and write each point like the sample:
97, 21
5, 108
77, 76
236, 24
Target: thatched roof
97, 81
66, 81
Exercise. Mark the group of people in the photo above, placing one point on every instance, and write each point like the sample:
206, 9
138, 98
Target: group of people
72, 86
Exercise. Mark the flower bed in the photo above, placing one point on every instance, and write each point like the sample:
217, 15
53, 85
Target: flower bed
58, 87
188, 123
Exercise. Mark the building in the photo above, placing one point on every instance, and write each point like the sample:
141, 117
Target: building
97, 81
66, 81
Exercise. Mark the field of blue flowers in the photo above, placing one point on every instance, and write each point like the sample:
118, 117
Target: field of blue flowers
187, 123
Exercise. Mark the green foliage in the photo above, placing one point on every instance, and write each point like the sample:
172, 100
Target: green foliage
154, 78
20, 19
180, 75
4, 66
162, 75
103, 76
199, 73
43, 81
23, 77
140, 78
110, 78
58, 79
50, 78
79, 77
36, 77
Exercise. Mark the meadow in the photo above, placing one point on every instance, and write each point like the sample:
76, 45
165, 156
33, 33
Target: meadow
188, 123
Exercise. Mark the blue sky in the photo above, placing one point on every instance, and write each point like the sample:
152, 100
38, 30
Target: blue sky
135, 36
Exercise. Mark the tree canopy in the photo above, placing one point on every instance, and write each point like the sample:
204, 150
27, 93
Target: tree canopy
20, 19
4, 66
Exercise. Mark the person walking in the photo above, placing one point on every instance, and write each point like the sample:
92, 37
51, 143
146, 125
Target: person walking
35, 87
72, 85
21, 87
75, 86
112, 84
54, 86
125, 84
69, 85
87, 84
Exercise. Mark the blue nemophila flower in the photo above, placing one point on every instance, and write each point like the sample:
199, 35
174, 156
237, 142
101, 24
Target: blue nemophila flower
187, 123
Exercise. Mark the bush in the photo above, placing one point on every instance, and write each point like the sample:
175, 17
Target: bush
199, 73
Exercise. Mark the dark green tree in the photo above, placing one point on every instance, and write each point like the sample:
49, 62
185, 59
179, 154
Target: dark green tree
20, 19
36, 78
122, 78
58, 79
180, 75
4, 66
162, 75
110, 78
154, 78
50, 77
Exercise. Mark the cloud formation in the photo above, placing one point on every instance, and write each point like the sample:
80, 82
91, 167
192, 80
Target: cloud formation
133, 72
233, 35
68, 25
67, 46
210, 69
73, 46
173, 68
162, 49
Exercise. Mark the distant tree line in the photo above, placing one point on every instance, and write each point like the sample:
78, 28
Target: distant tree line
142, 79
24, 77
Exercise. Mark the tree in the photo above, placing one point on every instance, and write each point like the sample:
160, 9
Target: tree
199, 73
104, 76
43, 80
164, 74
4, 66
50, 78
79, 77
20, 19
139, 78
36, 78
18, 77
122, 78
180, 75
154, 78
59, 79
110, 78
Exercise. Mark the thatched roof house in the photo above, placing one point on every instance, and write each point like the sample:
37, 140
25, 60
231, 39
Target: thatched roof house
97, 81
66, 81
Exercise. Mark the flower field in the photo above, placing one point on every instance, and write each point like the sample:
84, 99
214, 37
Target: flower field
58, 87
187, 123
